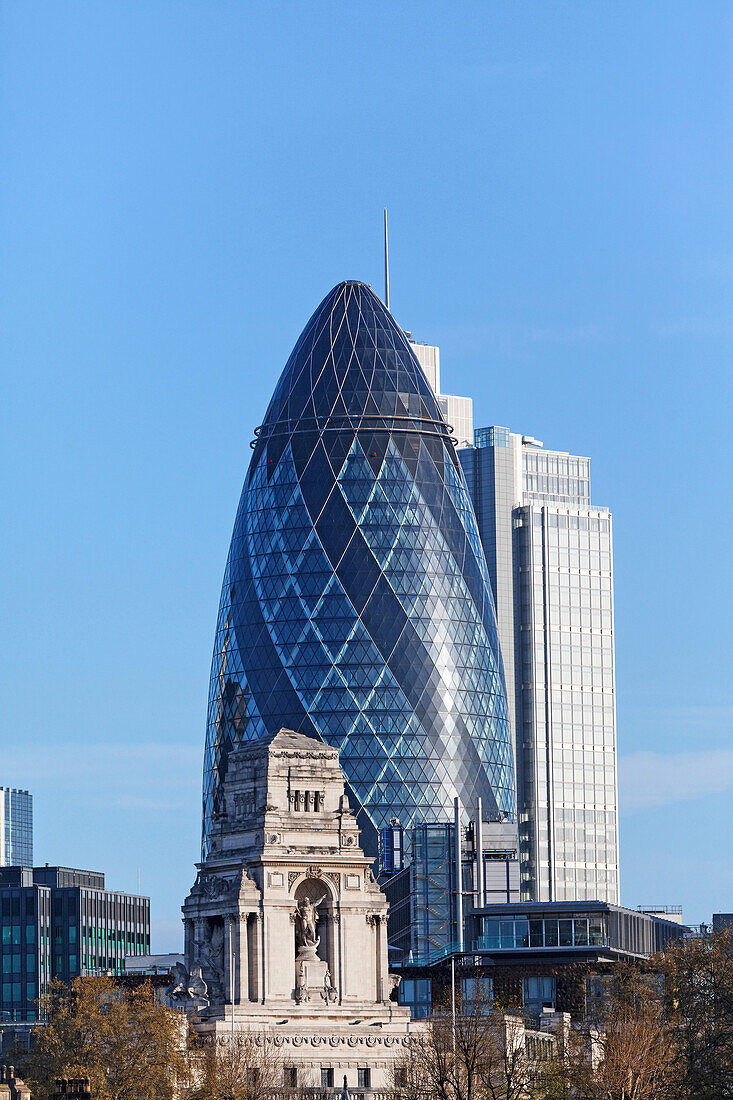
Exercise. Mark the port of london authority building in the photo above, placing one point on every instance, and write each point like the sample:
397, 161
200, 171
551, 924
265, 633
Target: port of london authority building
359, 606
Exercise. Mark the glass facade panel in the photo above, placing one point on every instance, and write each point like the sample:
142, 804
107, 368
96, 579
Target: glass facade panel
356, 606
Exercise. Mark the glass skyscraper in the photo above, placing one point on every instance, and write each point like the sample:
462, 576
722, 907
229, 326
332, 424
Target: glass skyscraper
16, 827
549, 556
356, 605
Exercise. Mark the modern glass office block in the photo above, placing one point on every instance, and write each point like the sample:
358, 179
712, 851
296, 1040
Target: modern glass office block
356, 606
16, 827
59, 922
549, 558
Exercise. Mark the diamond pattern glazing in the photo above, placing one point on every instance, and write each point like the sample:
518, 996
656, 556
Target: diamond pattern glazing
356, 605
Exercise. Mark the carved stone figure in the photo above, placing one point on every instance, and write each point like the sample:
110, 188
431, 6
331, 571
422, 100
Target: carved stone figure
301, 985
189, 987
329, 991
211, 887
211, 958
306, 920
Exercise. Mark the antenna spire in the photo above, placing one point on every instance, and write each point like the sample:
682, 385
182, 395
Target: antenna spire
386, 261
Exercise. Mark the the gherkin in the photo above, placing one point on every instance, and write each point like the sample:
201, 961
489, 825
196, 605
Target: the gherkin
356, 605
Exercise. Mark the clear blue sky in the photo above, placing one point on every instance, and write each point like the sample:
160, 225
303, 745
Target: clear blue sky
180, 184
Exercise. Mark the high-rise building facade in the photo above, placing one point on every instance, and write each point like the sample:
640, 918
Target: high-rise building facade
549, 557
16, 827
457, 411
356, 606
59, 922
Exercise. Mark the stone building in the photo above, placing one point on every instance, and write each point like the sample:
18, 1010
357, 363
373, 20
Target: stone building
286, 927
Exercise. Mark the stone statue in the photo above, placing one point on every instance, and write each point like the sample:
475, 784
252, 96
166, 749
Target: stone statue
301, 985
189, 987
329, 991
211, 958
306, 919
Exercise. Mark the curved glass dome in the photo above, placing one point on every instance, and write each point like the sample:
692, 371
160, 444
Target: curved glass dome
356, 605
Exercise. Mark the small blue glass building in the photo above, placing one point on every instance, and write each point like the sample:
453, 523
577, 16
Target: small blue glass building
356, 605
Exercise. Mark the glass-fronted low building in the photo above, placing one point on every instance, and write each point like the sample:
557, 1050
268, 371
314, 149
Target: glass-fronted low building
356, 606
59, 922
536, 956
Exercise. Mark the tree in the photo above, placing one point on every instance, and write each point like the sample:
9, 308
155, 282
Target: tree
242, 1067
478, 1054
698, 975
623, 1050
129, 1045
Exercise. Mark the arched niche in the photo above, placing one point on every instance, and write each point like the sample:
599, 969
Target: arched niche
320, 894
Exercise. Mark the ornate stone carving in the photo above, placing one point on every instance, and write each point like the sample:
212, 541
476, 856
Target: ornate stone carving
211, 887
189, 987
314, 871
335, 877
210, 957
292, 876
329, 991
306, 919
302, 993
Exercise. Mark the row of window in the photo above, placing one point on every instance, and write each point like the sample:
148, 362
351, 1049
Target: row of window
11, 991
364, 1077
501, 935
13, 934
477, 993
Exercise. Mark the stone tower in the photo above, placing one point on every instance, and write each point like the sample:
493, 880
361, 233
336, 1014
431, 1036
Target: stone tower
286, 921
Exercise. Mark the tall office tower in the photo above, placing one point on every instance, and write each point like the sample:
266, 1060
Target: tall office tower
548, 552
457, 411
16, 827
356, 606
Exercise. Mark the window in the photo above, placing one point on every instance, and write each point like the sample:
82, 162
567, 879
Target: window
400, 1077
291, 1077
326, 1077
416, 995
477, 994
538, 992
364, 1077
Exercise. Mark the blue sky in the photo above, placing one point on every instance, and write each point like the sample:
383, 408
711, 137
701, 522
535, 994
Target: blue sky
180, 184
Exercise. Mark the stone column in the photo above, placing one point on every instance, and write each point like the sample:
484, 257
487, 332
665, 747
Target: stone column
188, 940
199, 935
228, 959
263, 948
242, 986
256, 959
378, 945
337, 975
